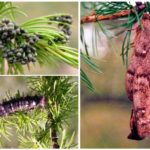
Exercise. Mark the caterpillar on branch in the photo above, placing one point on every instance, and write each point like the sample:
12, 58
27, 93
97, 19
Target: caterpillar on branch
21, 104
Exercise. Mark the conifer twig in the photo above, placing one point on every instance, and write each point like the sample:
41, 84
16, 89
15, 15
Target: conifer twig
93, 17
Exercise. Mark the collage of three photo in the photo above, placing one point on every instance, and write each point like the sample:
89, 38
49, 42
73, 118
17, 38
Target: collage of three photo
74, 75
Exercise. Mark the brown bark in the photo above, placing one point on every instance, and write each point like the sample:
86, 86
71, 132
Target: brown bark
54, 139
93, 17
53, 133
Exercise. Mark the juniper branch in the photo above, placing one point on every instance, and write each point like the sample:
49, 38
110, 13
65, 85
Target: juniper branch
43, 40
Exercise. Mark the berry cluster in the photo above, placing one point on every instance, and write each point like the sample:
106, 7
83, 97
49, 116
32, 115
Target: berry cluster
65, 21
17, 44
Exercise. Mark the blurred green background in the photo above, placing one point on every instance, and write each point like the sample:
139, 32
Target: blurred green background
105, 113
11, 84
37, 9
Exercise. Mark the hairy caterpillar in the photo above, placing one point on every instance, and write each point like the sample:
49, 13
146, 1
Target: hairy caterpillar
138, 82
21, 104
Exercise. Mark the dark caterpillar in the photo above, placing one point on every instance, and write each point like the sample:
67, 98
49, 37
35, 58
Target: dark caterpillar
21, 104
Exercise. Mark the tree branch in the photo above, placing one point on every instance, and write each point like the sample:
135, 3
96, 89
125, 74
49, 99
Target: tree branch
53, 133
54, 138
94, 18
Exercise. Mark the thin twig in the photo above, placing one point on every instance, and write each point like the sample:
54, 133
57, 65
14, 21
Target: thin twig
93, 17
5, 66
53, 132
54, 138
28, 65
